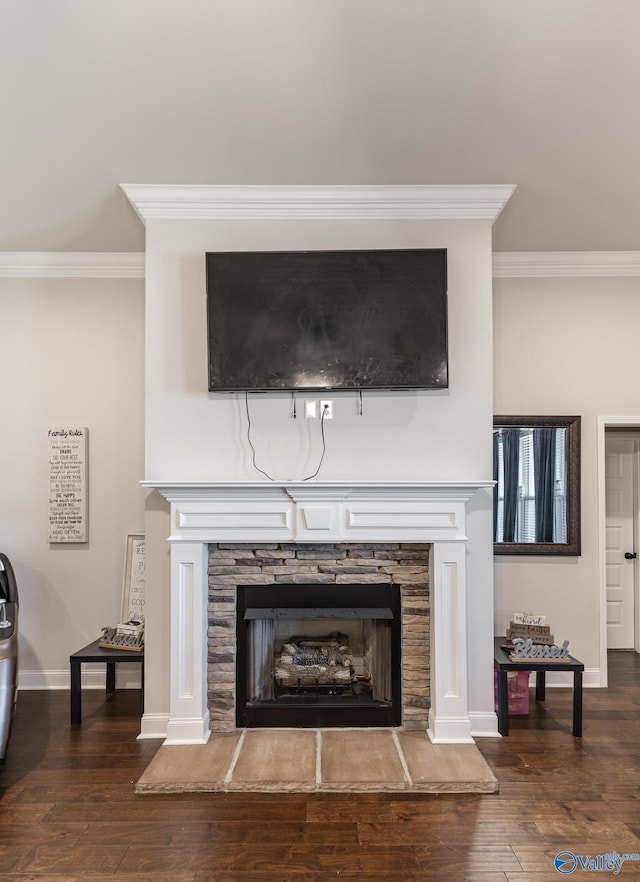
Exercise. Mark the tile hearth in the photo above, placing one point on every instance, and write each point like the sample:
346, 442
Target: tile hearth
307, 760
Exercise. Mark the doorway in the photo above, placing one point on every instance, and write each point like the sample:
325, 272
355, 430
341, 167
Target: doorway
621, 530
618, 534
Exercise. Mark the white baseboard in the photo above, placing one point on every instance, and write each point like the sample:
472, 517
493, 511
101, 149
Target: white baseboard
188, 730
591, 679
484, 725
91, 678
153, 726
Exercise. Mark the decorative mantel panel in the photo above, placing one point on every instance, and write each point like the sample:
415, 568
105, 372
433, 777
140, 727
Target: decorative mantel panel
433, 513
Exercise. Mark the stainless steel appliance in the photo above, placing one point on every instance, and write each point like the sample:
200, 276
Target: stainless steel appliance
8, 650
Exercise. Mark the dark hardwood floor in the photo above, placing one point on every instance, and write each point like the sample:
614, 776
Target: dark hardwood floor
68, 810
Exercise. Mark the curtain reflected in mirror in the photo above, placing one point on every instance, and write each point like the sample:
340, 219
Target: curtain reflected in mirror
536, 493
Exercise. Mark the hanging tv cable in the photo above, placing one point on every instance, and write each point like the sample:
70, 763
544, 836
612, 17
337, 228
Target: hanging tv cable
324, 445
253, 450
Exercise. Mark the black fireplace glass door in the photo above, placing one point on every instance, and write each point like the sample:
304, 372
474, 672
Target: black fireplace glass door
318, 656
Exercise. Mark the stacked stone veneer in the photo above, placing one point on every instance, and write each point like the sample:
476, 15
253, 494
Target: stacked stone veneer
403, 564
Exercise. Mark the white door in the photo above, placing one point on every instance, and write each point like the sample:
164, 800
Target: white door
620, 456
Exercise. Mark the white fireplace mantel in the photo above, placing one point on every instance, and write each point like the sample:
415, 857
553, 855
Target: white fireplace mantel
430, 512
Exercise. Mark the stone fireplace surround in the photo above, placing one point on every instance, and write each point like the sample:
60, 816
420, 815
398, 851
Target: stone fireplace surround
341, 565
256, 513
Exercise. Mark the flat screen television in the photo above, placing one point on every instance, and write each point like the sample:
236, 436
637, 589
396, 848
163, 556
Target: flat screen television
315, 320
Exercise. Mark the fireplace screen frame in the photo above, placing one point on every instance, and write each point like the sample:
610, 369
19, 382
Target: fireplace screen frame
345, 601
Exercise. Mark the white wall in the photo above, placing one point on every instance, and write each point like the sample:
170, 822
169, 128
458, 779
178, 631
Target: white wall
71, 354
565, 346
192, 435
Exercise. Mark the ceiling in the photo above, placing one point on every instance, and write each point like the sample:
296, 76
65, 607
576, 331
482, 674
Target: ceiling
541, 94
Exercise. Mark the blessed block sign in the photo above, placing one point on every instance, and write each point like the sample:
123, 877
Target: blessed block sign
527, 649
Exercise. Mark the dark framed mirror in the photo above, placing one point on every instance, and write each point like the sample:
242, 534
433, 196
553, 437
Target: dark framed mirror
536, 467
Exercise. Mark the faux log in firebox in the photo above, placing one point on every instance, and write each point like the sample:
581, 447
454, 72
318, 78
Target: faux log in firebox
323, 664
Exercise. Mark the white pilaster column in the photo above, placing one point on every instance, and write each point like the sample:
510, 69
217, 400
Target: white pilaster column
188, 712
449, 714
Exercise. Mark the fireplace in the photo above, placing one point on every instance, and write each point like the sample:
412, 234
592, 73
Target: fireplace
318, 656
250, 515
261, 596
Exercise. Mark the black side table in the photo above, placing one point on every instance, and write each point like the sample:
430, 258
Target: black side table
503, 664
95, 653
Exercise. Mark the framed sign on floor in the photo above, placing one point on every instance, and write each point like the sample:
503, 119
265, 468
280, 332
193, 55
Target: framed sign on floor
133, 588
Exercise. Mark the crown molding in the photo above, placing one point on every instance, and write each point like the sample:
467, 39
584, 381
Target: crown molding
131, 264
230, 202
565, 264
72, 264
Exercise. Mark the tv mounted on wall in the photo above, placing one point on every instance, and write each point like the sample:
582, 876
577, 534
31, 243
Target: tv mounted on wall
314, 320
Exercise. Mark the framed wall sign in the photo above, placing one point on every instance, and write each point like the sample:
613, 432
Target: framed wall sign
68, 491
133, 588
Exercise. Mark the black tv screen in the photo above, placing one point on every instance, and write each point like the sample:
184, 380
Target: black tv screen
314, 320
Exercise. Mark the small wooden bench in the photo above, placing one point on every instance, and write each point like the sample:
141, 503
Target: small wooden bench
93, 652
503, 664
